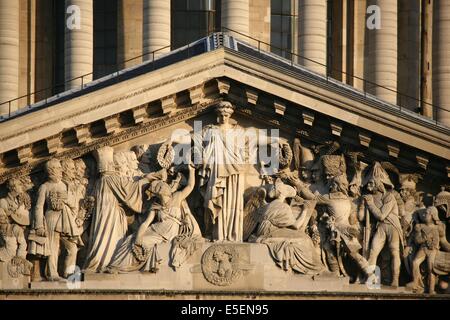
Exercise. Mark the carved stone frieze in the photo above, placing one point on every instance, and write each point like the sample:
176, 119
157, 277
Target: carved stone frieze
329, 212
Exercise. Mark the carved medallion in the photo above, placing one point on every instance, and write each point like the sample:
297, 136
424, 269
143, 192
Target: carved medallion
220, 265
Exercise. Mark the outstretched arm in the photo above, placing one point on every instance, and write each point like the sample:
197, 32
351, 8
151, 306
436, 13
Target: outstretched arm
180, 139
190, 185
303, 218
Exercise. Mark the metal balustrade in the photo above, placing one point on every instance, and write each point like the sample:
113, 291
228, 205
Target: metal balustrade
215, 40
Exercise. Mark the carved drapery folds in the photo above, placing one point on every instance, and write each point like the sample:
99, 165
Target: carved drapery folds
326, 209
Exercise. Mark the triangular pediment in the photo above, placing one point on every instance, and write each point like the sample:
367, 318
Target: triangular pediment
346, 162
179, 87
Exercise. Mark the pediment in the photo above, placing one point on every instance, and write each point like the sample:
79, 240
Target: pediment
331, 137
305, 104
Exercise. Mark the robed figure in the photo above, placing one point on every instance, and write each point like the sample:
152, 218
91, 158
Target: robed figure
222, 149
114, 194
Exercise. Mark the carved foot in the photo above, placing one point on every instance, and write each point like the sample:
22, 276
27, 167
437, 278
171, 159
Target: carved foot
394, 284
54, 278
414, 287
111, 270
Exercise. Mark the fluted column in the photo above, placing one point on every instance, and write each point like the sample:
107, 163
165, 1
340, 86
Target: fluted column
381, 52
236, 16
259, 22
156, 27
441, 60
9, 53
359, 31
79, 45
312, 34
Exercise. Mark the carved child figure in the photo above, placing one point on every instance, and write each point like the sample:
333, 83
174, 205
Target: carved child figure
427, 238
13, 246
14, 217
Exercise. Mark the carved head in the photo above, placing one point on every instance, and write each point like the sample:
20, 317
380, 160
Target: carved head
15, 185
223, 260
132, 160
282, 191
354, 190
333, 166
305, 174
224, 110
126, 163
442, 201
80, 167
430, 215
105, 159
377, 180
140, 150
374, 186
339, 184
162, 191
54, 170
27, 184
68, 168
408, 184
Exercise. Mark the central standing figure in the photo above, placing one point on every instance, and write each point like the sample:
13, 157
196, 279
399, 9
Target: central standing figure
222, 174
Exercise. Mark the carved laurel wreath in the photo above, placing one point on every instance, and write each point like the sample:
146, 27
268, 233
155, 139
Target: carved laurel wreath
165, 155
211, 267
285, 155
140, 252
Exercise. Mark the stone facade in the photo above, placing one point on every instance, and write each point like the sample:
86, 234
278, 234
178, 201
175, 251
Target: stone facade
221, 168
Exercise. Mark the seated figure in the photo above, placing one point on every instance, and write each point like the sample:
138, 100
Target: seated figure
168, 218
285, 235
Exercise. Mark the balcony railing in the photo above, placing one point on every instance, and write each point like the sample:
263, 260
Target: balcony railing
190, 50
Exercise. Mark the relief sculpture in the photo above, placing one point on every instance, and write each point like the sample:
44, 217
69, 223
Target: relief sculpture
323, 210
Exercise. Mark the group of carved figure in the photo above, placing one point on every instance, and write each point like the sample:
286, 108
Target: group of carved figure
312, 219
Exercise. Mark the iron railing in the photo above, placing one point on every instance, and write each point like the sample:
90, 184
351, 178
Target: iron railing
293, 56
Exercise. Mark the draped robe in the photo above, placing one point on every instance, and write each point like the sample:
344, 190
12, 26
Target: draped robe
222, 179
109, 223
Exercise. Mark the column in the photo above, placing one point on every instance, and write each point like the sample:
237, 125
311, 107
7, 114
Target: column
259, 21
9, 54
359, 31
45, 33
441, 60
312, 34
236, 16
79, 44
426, 84
129, 32
345, 41
27, 51
409, 54
156, 27
381, 52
